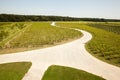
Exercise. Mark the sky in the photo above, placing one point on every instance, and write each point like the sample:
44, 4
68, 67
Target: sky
109, 9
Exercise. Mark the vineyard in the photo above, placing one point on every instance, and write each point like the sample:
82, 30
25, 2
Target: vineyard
111, 27
105, 44
39, 35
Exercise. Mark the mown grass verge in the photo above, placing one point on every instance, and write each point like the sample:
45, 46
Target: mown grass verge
14, 71
55, 72
105, 44
39, 35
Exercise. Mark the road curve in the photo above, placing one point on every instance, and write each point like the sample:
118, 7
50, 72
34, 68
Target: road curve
72, 54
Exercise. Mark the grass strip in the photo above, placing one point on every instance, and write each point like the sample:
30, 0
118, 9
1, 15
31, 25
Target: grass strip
14, 71
55, 72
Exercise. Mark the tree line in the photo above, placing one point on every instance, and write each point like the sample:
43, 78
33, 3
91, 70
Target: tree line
22, 18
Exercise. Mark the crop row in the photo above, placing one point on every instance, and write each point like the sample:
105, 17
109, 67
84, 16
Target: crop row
111, 27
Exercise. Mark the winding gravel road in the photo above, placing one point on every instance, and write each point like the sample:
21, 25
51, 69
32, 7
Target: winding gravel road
72, 54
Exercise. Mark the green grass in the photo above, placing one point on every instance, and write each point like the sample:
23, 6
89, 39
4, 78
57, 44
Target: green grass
66, 73
14, 71
105, 45
8, 31
39, 35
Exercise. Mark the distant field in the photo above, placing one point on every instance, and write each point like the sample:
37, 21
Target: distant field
110, 27
66, 73
38, 35
105, 43
14, 71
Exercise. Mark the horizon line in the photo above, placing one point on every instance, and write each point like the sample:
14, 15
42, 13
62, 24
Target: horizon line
57, 16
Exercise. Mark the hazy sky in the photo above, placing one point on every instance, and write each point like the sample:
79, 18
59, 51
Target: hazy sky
74, 8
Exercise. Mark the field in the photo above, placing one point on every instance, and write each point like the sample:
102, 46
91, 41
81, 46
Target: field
14, 71
66, 73
21, 36
8, 31
37, 35
105, 43
110, 27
